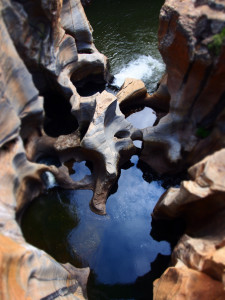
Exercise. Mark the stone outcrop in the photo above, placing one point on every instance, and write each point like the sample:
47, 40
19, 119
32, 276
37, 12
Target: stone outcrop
199, 254
37, 56
191, 42
47, 49
46, 54
133, 96
184, 283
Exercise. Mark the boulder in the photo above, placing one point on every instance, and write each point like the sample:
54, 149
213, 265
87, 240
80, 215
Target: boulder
183, 283
200, 202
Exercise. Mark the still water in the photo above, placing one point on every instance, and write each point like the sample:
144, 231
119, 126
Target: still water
123, 257
117, 247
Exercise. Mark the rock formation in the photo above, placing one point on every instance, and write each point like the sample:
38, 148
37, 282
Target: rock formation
37, 56
199, 255
191, 42
47, 54
47, 49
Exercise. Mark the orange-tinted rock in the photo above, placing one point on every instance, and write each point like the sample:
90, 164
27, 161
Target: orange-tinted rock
184, 283
133, 95
200, 201
31, 274
195, 67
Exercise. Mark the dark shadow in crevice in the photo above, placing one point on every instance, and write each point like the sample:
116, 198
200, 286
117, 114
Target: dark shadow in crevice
141, 289
58, 118
49, 160
167, 180
89, 88
167, 230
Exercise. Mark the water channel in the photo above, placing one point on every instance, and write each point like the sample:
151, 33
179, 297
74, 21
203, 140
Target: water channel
123, 257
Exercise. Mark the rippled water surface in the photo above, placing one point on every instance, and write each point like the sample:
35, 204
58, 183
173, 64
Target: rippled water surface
126, 32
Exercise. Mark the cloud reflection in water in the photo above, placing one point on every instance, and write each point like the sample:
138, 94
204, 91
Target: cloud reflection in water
118, 246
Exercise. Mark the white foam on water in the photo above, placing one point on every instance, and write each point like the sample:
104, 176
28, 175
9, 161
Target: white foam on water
144, 68
50, 180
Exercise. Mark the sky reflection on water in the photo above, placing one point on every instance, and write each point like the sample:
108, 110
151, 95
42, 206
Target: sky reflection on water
118, 246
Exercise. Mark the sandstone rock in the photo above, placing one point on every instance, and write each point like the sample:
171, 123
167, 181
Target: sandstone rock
32, 39
74, 21
133, 95
207, 184
188, 33
184, 283
200, 201
109, 141
33, 274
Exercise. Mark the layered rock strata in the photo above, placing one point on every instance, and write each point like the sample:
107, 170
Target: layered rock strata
47, 51
199, 255
191, 42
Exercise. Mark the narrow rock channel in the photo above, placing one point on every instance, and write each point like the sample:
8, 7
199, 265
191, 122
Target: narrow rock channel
112, 181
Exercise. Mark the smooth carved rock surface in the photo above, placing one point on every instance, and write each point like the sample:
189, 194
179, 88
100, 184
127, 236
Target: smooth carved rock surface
188, 42
133, 95
200, 201
46, 48
36, 56
183, 283
109, 141
46, 51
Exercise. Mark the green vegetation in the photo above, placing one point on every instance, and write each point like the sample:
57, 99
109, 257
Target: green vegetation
216, 45
202, 132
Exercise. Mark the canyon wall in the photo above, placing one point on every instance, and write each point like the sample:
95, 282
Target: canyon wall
47, 57
41, 49
192, 44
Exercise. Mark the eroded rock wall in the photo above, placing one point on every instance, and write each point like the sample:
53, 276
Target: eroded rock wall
46, 51
199, 254
37, 55
47, 48
191, 42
